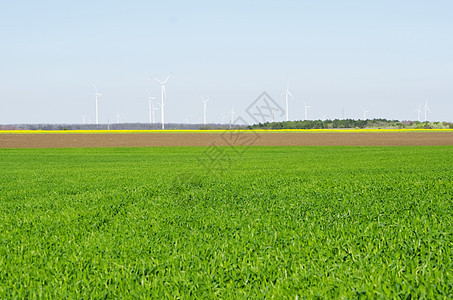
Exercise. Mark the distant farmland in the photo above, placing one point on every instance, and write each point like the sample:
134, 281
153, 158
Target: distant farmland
162, 138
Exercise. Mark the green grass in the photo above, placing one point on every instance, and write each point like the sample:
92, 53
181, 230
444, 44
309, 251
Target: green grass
330, 222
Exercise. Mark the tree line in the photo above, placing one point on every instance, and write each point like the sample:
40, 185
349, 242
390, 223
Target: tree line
349, 123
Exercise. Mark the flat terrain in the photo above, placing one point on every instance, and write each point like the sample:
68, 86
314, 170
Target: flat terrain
239, 223
233, 138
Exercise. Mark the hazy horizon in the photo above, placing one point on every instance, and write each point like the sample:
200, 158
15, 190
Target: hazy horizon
387, 57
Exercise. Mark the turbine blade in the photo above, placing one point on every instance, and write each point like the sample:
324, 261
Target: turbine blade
290, 95
165, 81
160, 82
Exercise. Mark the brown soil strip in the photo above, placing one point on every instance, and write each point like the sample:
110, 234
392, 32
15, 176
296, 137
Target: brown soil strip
224, 139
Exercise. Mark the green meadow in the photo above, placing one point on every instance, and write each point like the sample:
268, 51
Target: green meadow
244, 222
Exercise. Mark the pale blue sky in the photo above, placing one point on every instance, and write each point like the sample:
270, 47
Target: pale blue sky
387, 56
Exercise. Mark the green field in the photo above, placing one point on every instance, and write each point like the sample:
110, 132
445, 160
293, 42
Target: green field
332, 222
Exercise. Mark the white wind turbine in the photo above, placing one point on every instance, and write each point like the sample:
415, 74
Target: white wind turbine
419, 111
164, 94
118, 118
426, 109
152, 112
364, 112
84, 119
205, 100
272, 113
287, 93
97, 95
150, 108
306, 107
232, 116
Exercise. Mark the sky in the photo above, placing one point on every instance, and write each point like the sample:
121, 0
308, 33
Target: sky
387, 57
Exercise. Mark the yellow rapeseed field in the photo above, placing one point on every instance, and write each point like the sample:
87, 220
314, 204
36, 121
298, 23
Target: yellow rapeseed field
210, 131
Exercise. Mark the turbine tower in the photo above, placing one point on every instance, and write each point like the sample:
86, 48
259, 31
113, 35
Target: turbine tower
419, 111
150, 108
286, 93
306, 110
164, 95
97, 95
205, 100
152, 113
426, 109
232, 116
364, 112
272, 113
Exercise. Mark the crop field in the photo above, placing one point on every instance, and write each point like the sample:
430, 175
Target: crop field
173, 222
204, 138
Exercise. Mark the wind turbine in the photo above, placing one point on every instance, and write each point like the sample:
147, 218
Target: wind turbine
364, 112
150, 108
118, 118
286, 93
426, 109
164, 94
84, 119
306, 110
272, 113
97, 95
205, 100
232, 116
419, 111
152, 112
